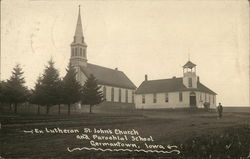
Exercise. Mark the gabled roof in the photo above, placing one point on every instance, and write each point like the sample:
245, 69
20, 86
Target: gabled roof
169, 85
107, 76
189, 64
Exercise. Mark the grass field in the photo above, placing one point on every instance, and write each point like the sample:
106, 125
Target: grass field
166, 127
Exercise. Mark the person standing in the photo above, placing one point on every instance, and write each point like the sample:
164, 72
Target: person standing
220, 110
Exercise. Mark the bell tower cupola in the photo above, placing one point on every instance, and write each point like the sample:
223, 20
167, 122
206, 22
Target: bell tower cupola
189, 75
78, 46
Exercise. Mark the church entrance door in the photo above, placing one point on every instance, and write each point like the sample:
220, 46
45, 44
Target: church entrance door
192, 99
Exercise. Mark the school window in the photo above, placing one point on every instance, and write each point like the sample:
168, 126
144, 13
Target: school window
200, 97
126, 96
166, 97
112, 94
143, 99
180, 96
104, 93
120, 94
189, 82
205, 97
155, 98
209, 99
213, 99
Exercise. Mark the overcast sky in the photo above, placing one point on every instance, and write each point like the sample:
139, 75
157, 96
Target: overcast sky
139, 37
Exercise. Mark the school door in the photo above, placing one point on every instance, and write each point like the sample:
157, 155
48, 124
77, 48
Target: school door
192, 99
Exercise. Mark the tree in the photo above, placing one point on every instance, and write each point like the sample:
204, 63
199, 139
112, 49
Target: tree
71, 88
49, 86
36, 94
60, 95
4, 97
16, 92
91, 95
2, 93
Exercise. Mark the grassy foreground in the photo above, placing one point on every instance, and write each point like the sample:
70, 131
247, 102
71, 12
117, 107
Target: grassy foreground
166, 127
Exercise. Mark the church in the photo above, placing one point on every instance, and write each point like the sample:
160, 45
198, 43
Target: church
181, 92
116, 86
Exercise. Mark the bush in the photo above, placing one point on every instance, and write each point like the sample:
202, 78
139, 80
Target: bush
206, 105
233, 143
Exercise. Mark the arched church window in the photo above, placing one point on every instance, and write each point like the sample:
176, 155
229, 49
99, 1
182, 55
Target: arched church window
126, 96
112, 94
72, 51
80, 51
104, 92
120, 95
75, 51
83, 53
133, 96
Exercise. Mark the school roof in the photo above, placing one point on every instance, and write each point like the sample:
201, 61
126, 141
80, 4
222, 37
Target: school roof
189, 64
169, 85
107, 76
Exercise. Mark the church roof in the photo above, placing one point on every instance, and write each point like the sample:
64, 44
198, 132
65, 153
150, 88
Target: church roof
107, 76
169, 85
189, 64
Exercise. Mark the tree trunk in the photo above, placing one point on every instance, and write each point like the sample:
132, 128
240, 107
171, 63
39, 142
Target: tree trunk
90, 109
68, 109
15, 110
2, 109
59, 109
38, 109
10, 107
47, 110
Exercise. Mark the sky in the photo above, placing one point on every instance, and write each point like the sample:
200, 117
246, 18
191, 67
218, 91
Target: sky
138, 37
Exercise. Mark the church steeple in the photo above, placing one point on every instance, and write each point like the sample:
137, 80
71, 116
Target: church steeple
78, 33
78, 46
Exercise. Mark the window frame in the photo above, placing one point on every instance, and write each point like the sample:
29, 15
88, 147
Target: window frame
180, 97
126, 96
143, 98
133, 96
112, 94
166, 98
155, 98
190, 82
120, 95
104, 91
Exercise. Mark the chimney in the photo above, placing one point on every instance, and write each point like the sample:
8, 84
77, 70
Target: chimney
116, 69
174, 77
198, 79
146, 77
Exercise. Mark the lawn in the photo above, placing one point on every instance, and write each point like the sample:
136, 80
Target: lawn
165, 127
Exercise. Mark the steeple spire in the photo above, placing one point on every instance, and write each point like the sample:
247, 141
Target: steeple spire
78, 38
78, 46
